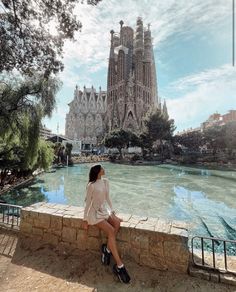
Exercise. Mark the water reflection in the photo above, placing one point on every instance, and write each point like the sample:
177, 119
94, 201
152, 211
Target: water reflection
203, 197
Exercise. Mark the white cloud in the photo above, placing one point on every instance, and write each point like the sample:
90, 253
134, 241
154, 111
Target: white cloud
203, 94
70, 78
166, 17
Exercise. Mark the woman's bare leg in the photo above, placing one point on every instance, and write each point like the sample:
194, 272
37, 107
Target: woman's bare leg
115, 222
110, 231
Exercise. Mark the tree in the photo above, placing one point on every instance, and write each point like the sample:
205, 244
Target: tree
229, 131
26, 43
220, 138
192, 140
34, 96
117, 139
215, 138
68, 152
22, 106
45, 155
157, 127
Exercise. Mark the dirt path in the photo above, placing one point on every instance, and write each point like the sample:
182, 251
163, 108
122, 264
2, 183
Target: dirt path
45, 270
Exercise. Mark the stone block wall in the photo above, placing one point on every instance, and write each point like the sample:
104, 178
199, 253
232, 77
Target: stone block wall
151, 242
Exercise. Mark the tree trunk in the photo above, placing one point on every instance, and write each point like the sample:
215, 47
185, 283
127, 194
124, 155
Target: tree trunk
120, 152
161, 150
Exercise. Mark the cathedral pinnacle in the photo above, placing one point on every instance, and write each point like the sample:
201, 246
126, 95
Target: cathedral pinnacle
121, 23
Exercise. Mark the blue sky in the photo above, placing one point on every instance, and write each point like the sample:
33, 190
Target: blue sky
193, 53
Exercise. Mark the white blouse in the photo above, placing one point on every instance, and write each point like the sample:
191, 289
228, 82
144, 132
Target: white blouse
97, 194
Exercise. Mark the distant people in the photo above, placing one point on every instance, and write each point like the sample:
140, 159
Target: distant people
99, 212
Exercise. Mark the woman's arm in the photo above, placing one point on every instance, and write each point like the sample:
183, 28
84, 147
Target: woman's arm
88, 200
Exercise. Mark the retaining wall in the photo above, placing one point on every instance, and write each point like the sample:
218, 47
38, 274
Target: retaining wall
152, 242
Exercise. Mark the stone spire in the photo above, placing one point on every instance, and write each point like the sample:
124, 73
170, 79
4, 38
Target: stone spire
138, 45
147, 45
164, 110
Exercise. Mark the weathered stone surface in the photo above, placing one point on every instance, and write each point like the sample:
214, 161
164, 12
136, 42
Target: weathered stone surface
124, 217
199, 273
153, 261
82, 237
152, 221
156, 247
59, 207
56, 222
25, 227
79, 216
43, 221
68, 234
144, 243
66, 220
76, 222
149, 241
24, 214
163, 226
124, 248
34, 214
176, 252
135, 254
37, 231
29, 220
93, 231
177, 267
228, 279
135, 238
60, 212
125, 224
134, 220
214, 277
179, 234
50, 238
180, 224
93, 243
57, 233
145, 226
124, 234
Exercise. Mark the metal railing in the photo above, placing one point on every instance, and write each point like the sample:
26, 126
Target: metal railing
214, 241
10, 214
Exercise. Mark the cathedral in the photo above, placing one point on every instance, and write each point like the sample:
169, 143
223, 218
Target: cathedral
86, 120
131, 89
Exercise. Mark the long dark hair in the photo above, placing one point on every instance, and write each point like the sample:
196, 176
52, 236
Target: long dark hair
93, 173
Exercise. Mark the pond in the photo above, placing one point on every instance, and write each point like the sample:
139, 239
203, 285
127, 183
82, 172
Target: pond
204, 198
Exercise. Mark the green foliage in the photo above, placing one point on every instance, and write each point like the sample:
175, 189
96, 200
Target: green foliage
117, 139
158, 127
221, 138
69, 147
26, 42
22, 106
191, 140
45, 154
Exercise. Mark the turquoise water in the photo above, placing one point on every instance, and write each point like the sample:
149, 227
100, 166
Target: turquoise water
204, 198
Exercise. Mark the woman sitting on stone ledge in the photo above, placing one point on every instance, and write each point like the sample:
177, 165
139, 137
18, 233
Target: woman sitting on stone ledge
99, 212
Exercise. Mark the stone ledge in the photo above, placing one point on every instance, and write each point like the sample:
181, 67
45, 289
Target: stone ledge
213, 276
152, 242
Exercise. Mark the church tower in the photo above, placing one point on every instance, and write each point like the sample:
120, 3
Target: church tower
131, 84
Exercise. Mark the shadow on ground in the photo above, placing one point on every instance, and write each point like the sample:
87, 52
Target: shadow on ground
45, 269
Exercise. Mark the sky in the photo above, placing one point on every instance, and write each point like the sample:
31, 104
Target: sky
192, 42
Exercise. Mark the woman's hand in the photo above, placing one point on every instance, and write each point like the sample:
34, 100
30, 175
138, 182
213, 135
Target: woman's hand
85, 225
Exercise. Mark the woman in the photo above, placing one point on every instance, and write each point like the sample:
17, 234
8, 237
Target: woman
99, 212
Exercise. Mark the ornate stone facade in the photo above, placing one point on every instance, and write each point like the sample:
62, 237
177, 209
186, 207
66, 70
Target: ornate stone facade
86, 118
131, 89
131, 84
